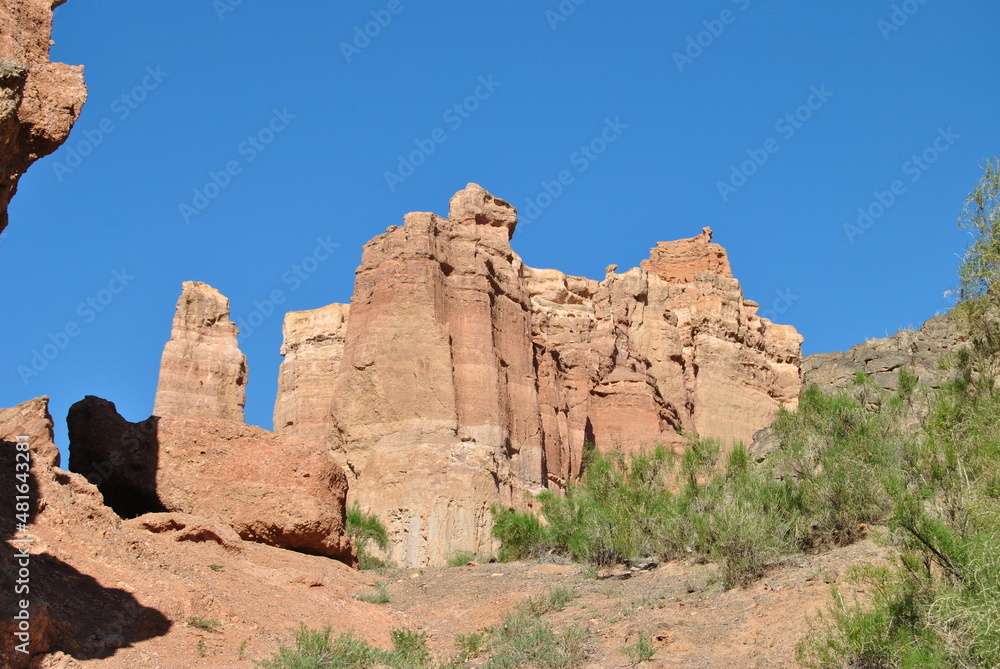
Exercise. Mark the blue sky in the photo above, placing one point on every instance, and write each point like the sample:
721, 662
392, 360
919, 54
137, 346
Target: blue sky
234, 142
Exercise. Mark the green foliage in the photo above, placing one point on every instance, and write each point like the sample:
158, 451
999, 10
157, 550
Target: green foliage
523, 640
937, 606
555, 599
317, 649
521, 534
461, 558
216, 567
470, 645
365, 529
202, 648
838, 468
979, 290
208, 624
640, 651
379, 596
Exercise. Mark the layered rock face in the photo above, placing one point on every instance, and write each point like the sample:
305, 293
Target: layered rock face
283, 491
39, 100
197, 456
203, 373
313, 348
464, 378
920, 351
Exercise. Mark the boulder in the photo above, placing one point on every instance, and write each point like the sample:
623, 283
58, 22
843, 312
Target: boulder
278, 490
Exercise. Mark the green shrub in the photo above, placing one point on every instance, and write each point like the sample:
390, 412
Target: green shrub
365, 529
379, 596
209, 624
640, 651
521, 534
461, 558
317, 649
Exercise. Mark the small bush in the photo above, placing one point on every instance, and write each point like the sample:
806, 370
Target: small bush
365, 529
461, 558
317, 649
521, 534
640, 651
470, 645
379, 596
209, 624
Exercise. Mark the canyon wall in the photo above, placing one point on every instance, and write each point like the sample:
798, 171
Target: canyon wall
39, 100
459, 378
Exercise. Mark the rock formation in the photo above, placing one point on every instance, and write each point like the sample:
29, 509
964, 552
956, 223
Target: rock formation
39, 100
282, 491
313, 348
203, 374
117, 593
919, 350
461, 378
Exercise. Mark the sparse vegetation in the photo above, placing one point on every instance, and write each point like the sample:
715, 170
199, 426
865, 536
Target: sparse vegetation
835, 471
216, 567
365, 529
522, 640
640, 651
938, 604
379, 596
208, 624
202, 648
554, 599
461, 558
318, 649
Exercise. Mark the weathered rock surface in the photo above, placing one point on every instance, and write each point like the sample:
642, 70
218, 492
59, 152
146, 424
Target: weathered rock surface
456, 357
31, 419
39, 100
313, 348
282, 491
919, 350
203, 374
117, 593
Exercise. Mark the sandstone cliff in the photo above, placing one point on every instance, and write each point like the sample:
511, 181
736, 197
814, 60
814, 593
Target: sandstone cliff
39, 100
460, 378
203, 374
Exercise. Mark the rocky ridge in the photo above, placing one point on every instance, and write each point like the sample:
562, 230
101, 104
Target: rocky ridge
460, 378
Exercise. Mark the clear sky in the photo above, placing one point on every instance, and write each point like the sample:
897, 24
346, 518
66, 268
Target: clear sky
235, 141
